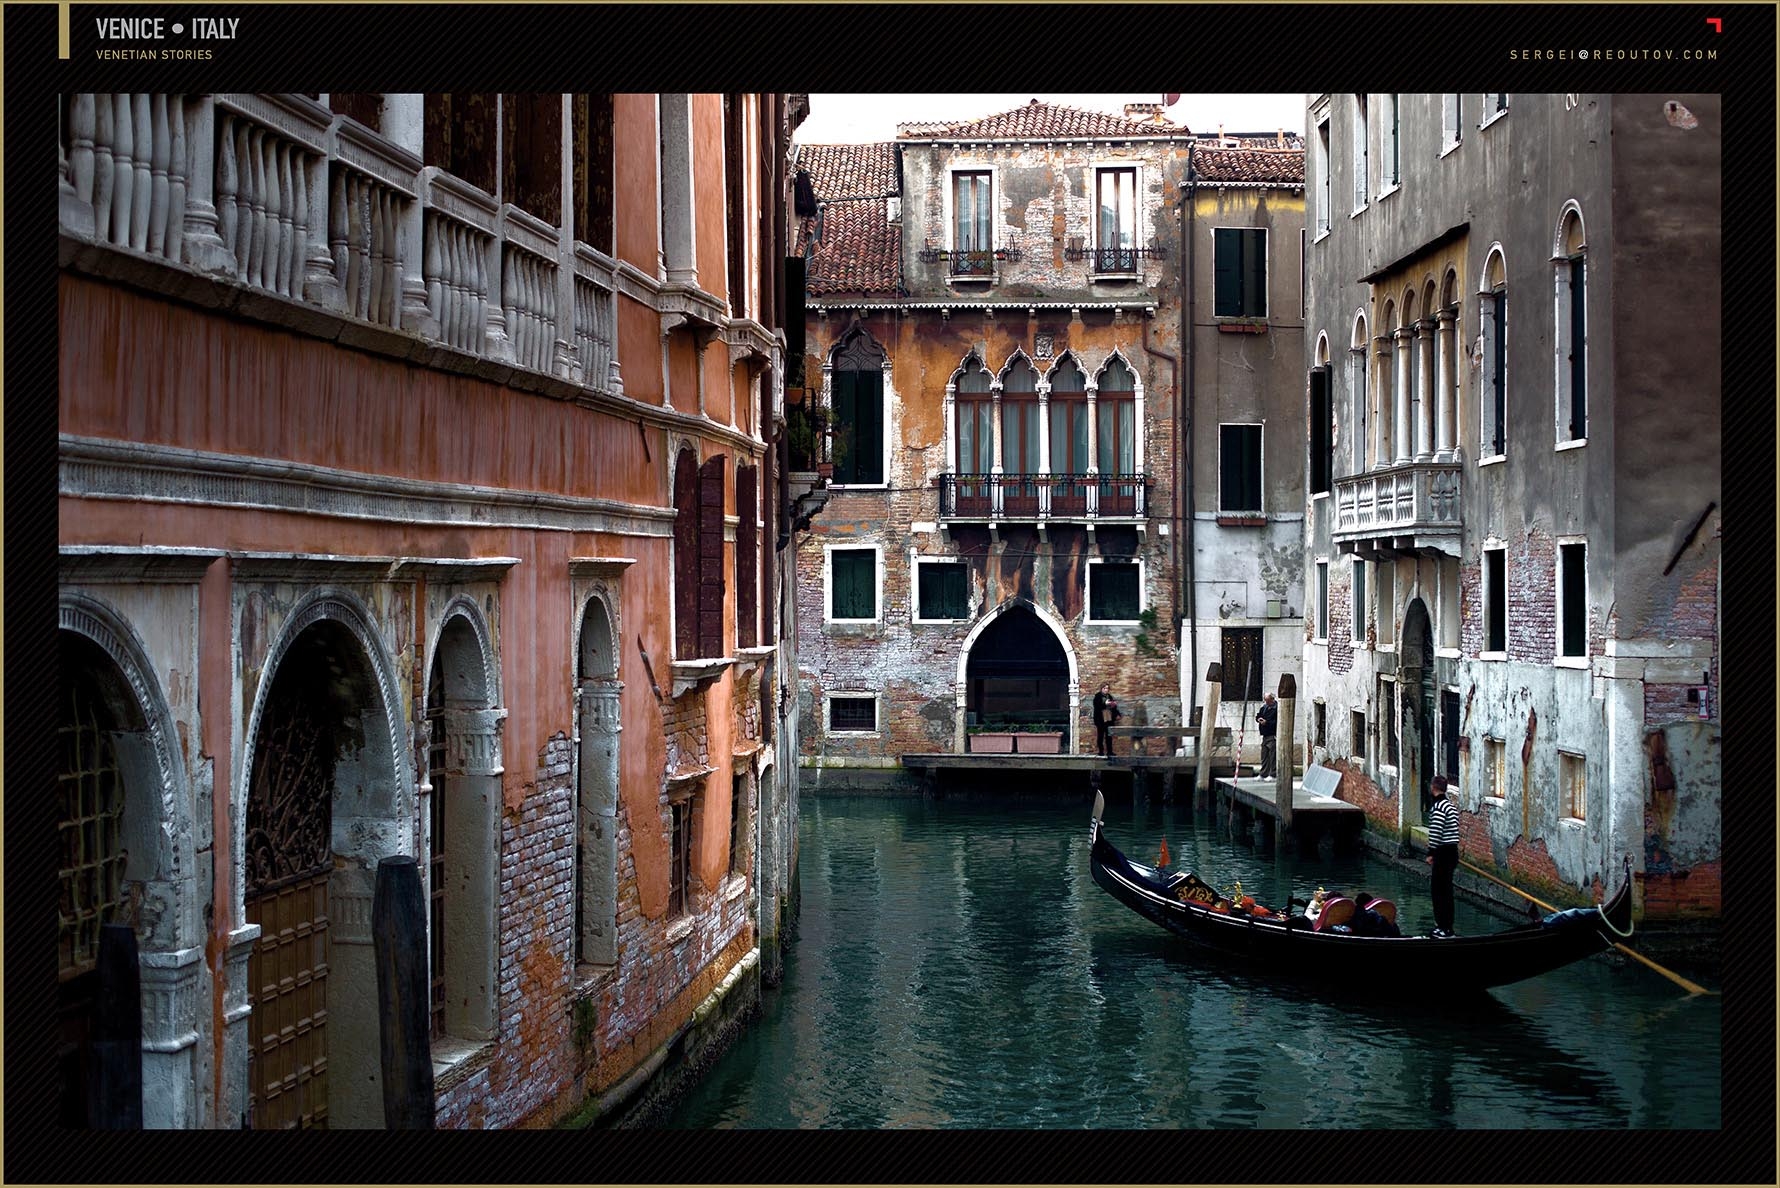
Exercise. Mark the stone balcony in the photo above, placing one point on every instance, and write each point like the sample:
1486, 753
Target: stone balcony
1407, 508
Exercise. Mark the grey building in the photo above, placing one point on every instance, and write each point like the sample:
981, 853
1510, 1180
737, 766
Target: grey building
1513, 484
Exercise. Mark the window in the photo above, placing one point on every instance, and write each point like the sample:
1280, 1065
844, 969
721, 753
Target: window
853, 585
1385, 623
679, 857
1240, 654
1361, 175
1239, 469
1451, 127
943, 590
1069, 419
1319, 724
973, 245
1117, 445
1240, 272
1495, 357
1356, 379
1356, 733
1495, 106
1322, 600
459, 135
1322, 432
1495, 771
698, 556
1019, 438
976, 433
1115, 591
1387, 719
747, 558
1359, 611
531, 154
1572, 330
857, 397
591, 137
856, 715
1573, 600
735, 201
738, 837
1116, 223
1322, 177
1449, 603
1573, 784
1394, 146
1495, 600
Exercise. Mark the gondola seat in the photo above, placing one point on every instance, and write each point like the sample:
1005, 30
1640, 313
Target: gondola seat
1336, 911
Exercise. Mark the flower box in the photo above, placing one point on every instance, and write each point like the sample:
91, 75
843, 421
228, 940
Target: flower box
990, 743
1050, 743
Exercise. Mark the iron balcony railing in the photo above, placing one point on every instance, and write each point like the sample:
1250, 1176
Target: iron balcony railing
1113, 259
1043, 496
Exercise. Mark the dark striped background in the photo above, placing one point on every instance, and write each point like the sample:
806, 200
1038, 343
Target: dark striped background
899, 47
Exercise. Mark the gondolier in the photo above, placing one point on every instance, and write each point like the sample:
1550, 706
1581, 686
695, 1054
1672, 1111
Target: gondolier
1443, 853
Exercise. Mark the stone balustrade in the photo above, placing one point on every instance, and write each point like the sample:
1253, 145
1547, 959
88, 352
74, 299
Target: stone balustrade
1404, 507
280, 195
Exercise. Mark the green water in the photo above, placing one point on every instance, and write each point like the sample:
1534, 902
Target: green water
955, 965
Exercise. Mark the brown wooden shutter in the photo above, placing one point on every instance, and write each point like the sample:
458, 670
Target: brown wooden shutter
747, 551
710, 557
685, 556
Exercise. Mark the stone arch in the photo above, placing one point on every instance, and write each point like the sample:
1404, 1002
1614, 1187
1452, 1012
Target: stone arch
993, 617
460, 798
1322, 348
156, 836
370, 808
1570, 236
1495, 269
598, 731
1416, 695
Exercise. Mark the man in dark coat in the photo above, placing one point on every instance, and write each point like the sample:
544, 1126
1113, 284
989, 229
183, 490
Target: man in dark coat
1267, 717
1106, 714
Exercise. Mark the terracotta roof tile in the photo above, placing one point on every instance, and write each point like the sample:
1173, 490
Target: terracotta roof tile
839, 171
860, 250
1040, 121
1250, 165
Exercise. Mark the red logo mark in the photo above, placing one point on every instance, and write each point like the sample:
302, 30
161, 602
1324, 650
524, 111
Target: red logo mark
1717, 24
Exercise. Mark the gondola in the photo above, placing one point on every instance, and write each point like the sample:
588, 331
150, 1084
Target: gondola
1290, 946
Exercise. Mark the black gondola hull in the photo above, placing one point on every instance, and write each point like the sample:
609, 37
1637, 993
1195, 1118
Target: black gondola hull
1402, 966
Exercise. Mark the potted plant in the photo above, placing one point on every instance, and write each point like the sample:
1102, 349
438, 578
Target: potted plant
1040, 738
989, 740
803, 435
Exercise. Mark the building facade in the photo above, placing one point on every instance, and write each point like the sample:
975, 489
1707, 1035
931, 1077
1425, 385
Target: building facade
1511, 534
419, 497
997, 342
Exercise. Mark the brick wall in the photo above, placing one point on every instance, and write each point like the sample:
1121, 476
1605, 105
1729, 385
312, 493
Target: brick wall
1532, 598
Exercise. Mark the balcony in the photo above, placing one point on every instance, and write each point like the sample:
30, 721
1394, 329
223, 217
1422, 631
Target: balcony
309, 212
1044, 498
1409, 508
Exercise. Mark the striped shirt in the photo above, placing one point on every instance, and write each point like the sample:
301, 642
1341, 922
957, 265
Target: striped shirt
1443, 823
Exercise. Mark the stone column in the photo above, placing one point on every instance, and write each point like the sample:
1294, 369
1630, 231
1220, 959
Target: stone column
1093, 390
1044, 446
1402, 363
996, 470
679, 240
1381, 423
172, 984
948, 462
1285, 750
598, 798
1424, 389
231, 1110
1208, 724
204, 249
1446, 342
404, 124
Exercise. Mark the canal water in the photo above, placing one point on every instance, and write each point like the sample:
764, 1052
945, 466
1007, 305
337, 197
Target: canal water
955, 965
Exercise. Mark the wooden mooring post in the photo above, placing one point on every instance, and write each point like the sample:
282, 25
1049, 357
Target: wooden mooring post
398, 932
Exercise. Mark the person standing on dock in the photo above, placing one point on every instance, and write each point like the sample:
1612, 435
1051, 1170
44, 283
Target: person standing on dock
1106, 714
1443, 853
1267, 719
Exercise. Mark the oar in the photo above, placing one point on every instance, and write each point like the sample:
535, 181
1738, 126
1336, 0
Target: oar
1674, 977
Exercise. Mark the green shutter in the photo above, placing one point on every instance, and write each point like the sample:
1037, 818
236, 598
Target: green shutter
1227, 275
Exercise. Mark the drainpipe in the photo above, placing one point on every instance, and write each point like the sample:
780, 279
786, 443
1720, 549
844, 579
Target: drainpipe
1189, 357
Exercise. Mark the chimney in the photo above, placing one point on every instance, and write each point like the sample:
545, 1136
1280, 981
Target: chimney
1150, 113
1279, 138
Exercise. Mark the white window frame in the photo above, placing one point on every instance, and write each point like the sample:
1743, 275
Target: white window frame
1266, 276
1360, 142
1501, 549
1572, 765
1321, 610
1452, 123
1359, 735
1323, 150
1490, 112
1139, 230
1449, 640
1561, 309
1561, 660
1260, 461
1357, 588
1494, 773
1388, 722
1390, 154
1487, 332
950, 235
1143, 601
828, 552
829, 697
916, 561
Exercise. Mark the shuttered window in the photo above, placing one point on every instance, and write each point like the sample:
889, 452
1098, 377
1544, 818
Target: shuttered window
853, 578
859, 426
710, 557
1322, 432
1239, 468
747, 555
1240, 272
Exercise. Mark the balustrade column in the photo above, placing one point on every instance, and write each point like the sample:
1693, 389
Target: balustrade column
1403, 362
74, 167
1424, 390
497, 336
1446, 372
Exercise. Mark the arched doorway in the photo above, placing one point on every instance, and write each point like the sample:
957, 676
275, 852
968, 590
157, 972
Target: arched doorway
1415, 685
1017, 671
322, 807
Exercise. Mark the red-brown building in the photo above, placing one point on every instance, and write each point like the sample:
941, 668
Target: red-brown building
418, 496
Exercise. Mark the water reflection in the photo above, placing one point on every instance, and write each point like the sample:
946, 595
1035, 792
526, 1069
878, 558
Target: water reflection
956, 966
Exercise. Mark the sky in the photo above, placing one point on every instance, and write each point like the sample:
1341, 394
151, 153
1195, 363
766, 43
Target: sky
861, 119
